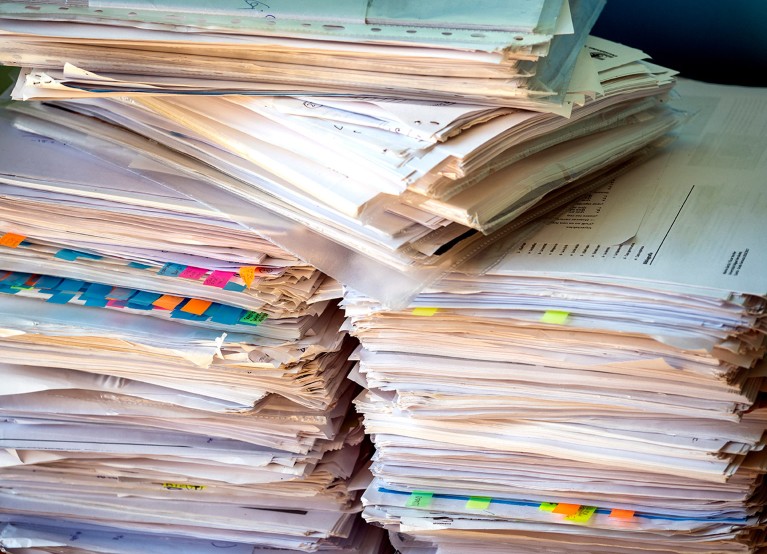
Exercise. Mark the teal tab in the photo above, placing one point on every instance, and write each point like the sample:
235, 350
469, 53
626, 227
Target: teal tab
171, 269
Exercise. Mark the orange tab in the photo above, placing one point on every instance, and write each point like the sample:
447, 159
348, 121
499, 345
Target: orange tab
622, 514
567, 509
248, 274
11, 240
167, 301
196, 306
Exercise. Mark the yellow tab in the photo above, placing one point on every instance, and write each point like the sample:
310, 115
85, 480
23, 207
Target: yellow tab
183, 486
248, 274
583, 514
11, 240
478, 503
622, 514
547, 506
419, 499
555, 317
168, 301
196, 306
425, 311
566, 509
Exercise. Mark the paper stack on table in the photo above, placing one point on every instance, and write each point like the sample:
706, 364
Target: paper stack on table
601, 388
167, 374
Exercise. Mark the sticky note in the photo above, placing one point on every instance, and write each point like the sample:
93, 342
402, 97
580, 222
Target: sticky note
566, 509
183, 486
248, 274
555, 317
547, 506
96, 302
70, 285
478, 503
253, 318
237, 287
120, 293
171, 270
137, 265
583, 514
226, 315
48, 282
425, 311
622, 514
167, 301
185, 316
144, 298
11, 240
219, 279
96, 290
71, 255
419, 499
116, 304
193, 272
196, 306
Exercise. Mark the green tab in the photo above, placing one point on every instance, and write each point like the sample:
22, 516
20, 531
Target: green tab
419, 499
555, 317
478, 502
583, 514
253, 318
547, 506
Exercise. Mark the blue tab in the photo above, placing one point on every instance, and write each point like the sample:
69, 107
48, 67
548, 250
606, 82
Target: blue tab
137, 265
16, 278
70, 285
226, 315
8, 289
96, 302
143, 298
96, 290
61, 298
120, 293
178, 314
48, 282
71, 255
171, 269
231, 285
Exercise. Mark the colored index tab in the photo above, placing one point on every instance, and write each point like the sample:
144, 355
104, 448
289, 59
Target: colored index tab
196, 306
478, 503
183, 486
71, 255
248, 274
583, 514
419, 499
622, 514
11, 240
547, 506
253, 318
171, 269
193, 272
555, 317
425, 311
219, 278
167, 301
137, 265
61, 298
566, 509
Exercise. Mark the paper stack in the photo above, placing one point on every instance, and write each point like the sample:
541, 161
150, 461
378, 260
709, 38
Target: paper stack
601, 388
170, 379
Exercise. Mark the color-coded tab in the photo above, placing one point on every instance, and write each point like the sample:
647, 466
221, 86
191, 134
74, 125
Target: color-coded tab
117, 304
171, 269
61, 298
96, 302
168, 302
96, 290
478, 503
136, 265
566, 509
191, 272
419, 499
11, 240
144, 299
183, 486
622, 514
226, 315
71, 255
425, 311
70, 285
219, 278
248, 274
555, 317
236, 287
185, 316
196, 306
583, 515
253, 318
547, 506
48, 282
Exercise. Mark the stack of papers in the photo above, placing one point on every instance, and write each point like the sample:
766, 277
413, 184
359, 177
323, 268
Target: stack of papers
410, 188
601, 388
169, 377
516, 54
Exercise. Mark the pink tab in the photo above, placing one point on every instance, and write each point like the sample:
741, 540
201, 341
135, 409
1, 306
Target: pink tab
116, 303
193, 272
219, 278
